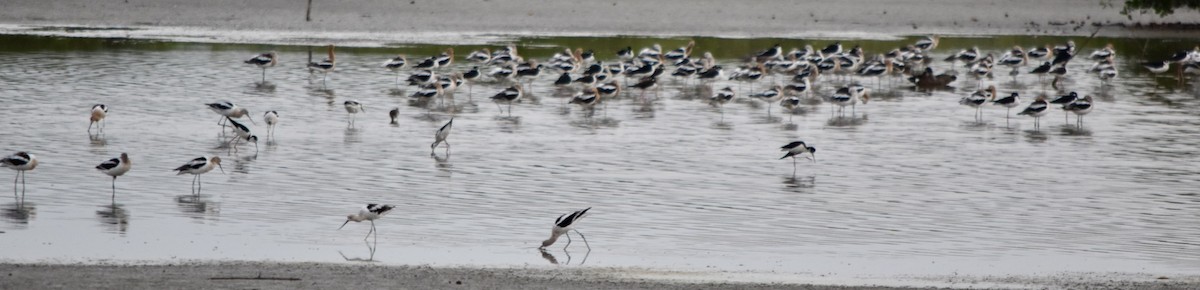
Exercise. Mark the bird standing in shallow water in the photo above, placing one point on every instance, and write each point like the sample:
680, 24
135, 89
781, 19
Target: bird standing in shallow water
508, 95
99, 112
1037, 109
199, 166
369, 213
325, 66
353, 107
21, 162
263, 61
563, 226
272, 118
115, 167
977, 99
440, 137
1080, 107
798, 148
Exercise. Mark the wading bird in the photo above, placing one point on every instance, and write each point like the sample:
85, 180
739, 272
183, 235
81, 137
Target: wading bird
263, 61
325, 66
21, 162
115, 167
370, 213
798, 148
1037, 109
272, 119
199, 166
508, 95
99, 112
228, 110
563, 226
352, 109
440, 137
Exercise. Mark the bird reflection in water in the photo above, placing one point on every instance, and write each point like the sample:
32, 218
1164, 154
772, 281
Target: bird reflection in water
799, 182
851, 121
97, 139
370, 257
352, 135
242, 163
115, 217
20, 212
554, 260
196, 206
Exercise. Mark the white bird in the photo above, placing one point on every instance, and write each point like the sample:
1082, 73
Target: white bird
272, 119
199, 166
1037, 109
563, 226
1080, 107
508, 95
440, 137
369, 213
115, 167
21, 162
352, 108
798, 148
99, 112
325, 66
395, 64
770, 96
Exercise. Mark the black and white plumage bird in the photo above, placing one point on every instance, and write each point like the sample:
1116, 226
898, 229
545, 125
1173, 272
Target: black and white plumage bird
440, 136
115, 167
588, 98
370, 213
353, 107
325, 66
723, 96
1038, 52
241, 133
21, 162
1009, 102
790, 103
428, 91
625, 53
977, 99
1104, 53
199, 166
229, 110
395, 65
927, 43
644, 84
446, 58
564, 225
1037, 109
394, 114
1080, 107
563, 79
263, 61
1157, 67
798, 148
832, 49
272, 119
480, 56
99, 112
508, 95
770, 96
682, 52
422, 77
850, 96
610, 89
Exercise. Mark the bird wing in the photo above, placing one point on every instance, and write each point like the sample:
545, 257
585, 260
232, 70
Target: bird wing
109, 164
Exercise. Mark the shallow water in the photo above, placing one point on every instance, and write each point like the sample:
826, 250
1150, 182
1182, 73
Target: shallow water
911, 185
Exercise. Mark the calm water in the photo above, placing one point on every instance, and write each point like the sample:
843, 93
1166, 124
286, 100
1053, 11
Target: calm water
912, 185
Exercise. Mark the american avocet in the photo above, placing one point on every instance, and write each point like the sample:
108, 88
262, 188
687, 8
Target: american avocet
1009, 102
1037, 109
850, 96
99, 112
228, 110
470, 77
529, 69
427, 63
563, 226
713, 73
1042, 70
682, 52
394, 113
651, 52
1157, 67
625, 53
609, 90
798, 148
446, 58
1080, 107
503, 72
586, 98
790, 103
770, 96
241, 133
1106, 75
508, 95
1014, 58
199, 166
834, 48
774, 52
353, 107
1063, 101
799, 85
722, 96
645, 84
1038, 52
563, 80
369, 213
422, 77
976, 100
263, 61
441, 135
482, 55
115, 167
1104, 53
272, 119
21, 162
395, 64
325, 66
927, 43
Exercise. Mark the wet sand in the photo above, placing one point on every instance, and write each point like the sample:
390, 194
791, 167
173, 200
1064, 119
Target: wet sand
256, 275
282, 21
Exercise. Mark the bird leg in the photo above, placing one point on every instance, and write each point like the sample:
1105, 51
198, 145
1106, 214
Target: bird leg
568, 234
114, 188
585, 243
371, 231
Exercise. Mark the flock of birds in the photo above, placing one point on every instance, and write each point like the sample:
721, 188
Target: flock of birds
597, 82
